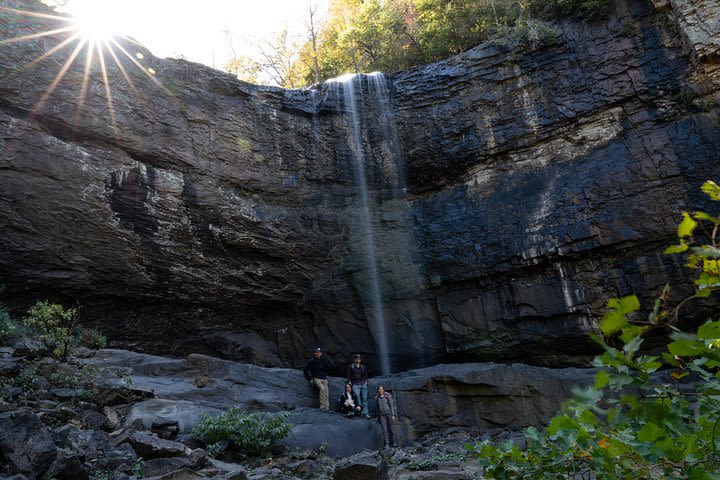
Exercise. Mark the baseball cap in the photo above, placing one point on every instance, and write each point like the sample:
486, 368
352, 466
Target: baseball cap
317, 349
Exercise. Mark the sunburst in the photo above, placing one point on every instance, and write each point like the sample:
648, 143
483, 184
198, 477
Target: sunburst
92, 31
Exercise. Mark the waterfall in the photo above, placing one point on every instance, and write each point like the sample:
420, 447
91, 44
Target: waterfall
378, 87
344, 88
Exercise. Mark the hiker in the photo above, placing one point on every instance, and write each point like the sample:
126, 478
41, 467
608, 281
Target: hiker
347, 403
357, 376
316, 372
385, 407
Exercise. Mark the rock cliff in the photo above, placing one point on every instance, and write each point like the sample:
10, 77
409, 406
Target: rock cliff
510, 191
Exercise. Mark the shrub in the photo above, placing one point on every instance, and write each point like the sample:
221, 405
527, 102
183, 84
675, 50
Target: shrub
253, 433
526, 35
8, 328
53, 325
569, 8
636, 422
27, 379
90, 338
81, 382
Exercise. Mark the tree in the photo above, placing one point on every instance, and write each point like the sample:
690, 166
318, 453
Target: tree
313, 31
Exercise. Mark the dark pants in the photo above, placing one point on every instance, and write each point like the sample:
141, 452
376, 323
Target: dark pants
386, 425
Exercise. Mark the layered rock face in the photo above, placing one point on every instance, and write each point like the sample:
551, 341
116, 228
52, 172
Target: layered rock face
510, 192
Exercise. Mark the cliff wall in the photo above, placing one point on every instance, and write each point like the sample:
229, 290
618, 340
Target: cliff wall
511, 192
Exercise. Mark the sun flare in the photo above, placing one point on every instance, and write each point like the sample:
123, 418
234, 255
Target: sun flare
92, 36
95, 22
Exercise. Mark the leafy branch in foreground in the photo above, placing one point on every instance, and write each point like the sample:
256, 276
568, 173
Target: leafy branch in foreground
637, 421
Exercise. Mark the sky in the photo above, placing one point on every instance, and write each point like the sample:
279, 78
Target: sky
196, 30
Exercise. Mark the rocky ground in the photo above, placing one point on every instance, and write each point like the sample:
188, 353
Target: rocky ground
115, 414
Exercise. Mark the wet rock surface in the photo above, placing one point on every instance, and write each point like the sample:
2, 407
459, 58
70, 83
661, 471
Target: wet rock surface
511, 194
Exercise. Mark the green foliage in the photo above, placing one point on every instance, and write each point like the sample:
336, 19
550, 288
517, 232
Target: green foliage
253, 433
81, 382
53, 325
56, 328
138, 468
8, 328
388, 35
26, 380
90, 338
431, 462
636, 421
525, 34
101, 474
569, 8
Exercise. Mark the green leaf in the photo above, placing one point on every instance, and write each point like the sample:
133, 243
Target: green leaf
625, 304
587, 396
649, 432
633, 345
588, 418
703, 293
687, 226
532, 433
699, 473
705, 216
711, 189
709, 331
647, 363
614, 318
630, 333
676, 248
618, 381
706, 251
684, 347
601, 379
612, 322
561, 423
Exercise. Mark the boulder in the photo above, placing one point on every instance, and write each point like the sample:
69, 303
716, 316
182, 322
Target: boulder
26, 443
186, 414
331, 432
162, 466
362, 466
113, 458
478, 396
304, 468
85, 443
182, 474
149, 446
68, 466
93, 420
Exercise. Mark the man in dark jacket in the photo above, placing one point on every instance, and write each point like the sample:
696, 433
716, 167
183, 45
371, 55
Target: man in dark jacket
357, 376
316, 372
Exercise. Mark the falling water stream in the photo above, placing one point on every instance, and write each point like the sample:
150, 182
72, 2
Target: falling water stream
345, 86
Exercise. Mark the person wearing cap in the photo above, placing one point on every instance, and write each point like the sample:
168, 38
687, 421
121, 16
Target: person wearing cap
358, 377
316, 372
